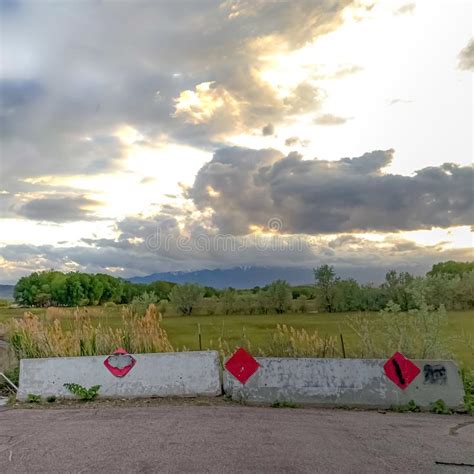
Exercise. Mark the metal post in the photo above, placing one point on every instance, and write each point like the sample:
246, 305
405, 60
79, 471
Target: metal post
342, 345
9, 381
199, 335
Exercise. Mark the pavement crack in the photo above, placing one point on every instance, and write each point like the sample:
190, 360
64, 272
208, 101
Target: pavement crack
446, 463
453, 431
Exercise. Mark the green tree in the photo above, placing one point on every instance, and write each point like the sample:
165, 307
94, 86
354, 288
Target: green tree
162, 289
326, 285
347, 296
397, 287
58, 289
185, 297
279, 296
228, 301
74, 292
451, 268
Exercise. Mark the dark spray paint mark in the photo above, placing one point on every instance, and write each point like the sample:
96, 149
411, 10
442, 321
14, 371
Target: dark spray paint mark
435, 374
398, 370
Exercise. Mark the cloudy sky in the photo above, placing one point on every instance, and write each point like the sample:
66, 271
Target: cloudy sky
151, 136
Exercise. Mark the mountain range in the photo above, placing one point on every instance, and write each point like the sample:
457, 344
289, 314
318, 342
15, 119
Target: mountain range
6, 292
249, 276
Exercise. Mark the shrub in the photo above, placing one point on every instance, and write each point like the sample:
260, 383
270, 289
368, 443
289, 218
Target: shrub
440, 408
279, 296
140, 303
468, 381
186, 297
83, 393
33, 398
284, 404
411, 406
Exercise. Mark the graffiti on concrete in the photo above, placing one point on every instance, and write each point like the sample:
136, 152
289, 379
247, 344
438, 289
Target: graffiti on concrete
120, 363
435, 374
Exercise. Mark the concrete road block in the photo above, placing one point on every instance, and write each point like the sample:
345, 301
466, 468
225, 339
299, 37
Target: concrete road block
345, 382
180, 374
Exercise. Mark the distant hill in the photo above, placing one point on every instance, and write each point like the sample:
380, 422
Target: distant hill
6, 292
248, 277
238, 277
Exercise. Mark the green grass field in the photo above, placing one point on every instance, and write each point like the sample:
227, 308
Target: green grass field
183, 330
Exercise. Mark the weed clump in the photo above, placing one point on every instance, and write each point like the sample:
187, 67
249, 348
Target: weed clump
32, 337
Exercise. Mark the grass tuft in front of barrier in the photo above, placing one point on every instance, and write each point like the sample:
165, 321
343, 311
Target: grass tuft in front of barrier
417, 334
32, 337
290, 342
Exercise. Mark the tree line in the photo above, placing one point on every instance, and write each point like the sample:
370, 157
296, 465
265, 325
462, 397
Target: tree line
54, 288
450, 284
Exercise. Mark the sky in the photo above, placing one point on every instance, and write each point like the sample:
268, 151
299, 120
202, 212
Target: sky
144, 136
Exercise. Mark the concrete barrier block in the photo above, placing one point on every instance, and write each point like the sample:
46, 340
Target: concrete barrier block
180, 374
345, 382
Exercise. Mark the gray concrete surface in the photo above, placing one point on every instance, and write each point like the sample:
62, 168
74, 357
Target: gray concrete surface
348, 382
230, 438
166, 374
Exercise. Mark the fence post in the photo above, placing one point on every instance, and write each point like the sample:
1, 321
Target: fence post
342, 346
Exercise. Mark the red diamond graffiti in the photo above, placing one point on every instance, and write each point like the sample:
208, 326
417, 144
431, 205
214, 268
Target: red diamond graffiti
120, 363
400, 370
242, 365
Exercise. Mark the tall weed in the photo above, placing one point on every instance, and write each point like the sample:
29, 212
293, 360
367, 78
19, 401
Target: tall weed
287, 341
31, 337
416, 333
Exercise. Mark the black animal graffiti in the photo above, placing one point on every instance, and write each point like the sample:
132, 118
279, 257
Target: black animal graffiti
435, 374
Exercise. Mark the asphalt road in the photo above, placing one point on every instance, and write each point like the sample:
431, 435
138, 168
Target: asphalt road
226, 439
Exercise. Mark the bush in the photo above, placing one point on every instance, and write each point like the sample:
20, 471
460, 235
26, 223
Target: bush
440, 408
468, 381
141, 303
83, 393
186, 297
279, 296
33, 398
284, 404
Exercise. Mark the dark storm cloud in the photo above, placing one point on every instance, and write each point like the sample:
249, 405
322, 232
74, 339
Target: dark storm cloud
59, 209
250, 187
466, 57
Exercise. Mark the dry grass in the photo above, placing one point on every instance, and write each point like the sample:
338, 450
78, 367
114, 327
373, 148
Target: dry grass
31, 337
286, 341
419, 333
290, 342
